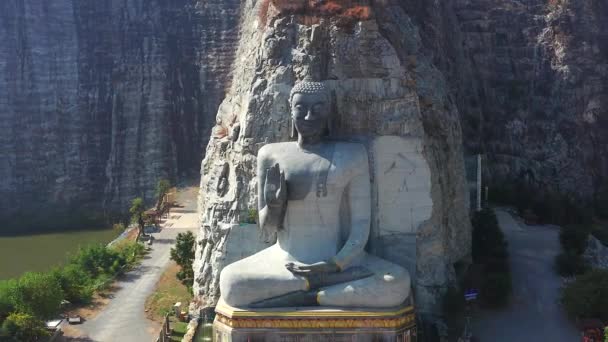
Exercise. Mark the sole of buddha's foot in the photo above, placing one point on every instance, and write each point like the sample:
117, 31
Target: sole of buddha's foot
298, 298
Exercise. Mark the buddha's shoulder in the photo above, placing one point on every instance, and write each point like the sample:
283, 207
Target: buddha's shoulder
274, 149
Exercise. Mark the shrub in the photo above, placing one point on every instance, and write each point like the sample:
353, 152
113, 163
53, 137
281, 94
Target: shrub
23, 327
502, 194
549, 206
331, 8
6, 303
98, 259
137, 210
345, 11
75, 283
130, 252
358, 12
496, 288
574, 239
453, 301
290, 6
488, 239
101, 282
162, 188
496, 265
568, 264
183, 255
118, 228
587, 296
252, 216
37, 294
490, 251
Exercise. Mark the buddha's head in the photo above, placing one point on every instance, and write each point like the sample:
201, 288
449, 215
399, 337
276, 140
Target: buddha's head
310, 109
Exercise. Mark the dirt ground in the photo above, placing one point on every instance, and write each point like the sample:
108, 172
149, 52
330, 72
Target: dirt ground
169, 290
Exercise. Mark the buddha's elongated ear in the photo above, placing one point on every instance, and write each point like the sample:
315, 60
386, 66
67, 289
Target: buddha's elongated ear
329, 127
292, 129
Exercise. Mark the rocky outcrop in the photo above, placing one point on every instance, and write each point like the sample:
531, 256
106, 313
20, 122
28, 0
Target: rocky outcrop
383, 85
100, 99
541, 70
529, 81
596, 254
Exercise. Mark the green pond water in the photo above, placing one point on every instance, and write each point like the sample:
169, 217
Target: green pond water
40, 252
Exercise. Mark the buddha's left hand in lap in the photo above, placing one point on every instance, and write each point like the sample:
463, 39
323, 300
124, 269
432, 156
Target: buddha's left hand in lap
313, 269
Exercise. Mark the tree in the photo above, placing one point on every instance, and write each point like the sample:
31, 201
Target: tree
98, 260
587, 296
183, 255
162, 188
496, 288
488, 240
568, 264
137, 215
37, 294
574, 239
74, 282
23, 327
6, 302
490, 251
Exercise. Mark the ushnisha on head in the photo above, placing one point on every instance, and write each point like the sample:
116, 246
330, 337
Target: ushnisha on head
310, 110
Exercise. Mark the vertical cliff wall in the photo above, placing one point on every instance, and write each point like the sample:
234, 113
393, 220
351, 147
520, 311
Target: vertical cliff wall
529, 79
386, 90
544, 68
100, 99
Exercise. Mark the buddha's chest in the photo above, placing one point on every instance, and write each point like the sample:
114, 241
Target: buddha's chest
312, 173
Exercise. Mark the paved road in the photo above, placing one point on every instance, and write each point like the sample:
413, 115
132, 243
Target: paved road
534, 313
124, 318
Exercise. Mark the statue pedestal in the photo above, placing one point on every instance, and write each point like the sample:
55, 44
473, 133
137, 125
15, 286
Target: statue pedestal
318, 324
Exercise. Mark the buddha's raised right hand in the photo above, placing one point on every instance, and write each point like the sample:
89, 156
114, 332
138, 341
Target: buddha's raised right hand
275, 188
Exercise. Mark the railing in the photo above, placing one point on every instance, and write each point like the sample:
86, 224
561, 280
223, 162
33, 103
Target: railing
165, 332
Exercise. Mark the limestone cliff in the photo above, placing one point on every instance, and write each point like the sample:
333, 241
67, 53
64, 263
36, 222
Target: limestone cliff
529, 79
383, 85
100, 99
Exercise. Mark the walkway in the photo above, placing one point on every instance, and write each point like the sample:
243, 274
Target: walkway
124, 318
534, 313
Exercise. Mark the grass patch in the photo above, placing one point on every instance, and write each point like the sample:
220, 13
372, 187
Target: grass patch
169, 290
179, 330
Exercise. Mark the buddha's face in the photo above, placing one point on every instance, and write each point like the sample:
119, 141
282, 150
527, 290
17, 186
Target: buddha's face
310, 113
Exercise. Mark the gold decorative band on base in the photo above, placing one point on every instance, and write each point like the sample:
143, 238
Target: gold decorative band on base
228, 311
315, 318
320, 323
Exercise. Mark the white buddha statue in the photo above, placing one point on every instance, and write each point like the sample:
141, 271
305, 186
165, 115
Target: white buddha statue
315, 194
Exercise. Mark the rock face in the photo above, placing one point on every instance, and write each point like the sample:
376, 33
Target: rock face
384, 87
541, 70
596, 254
100, 99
